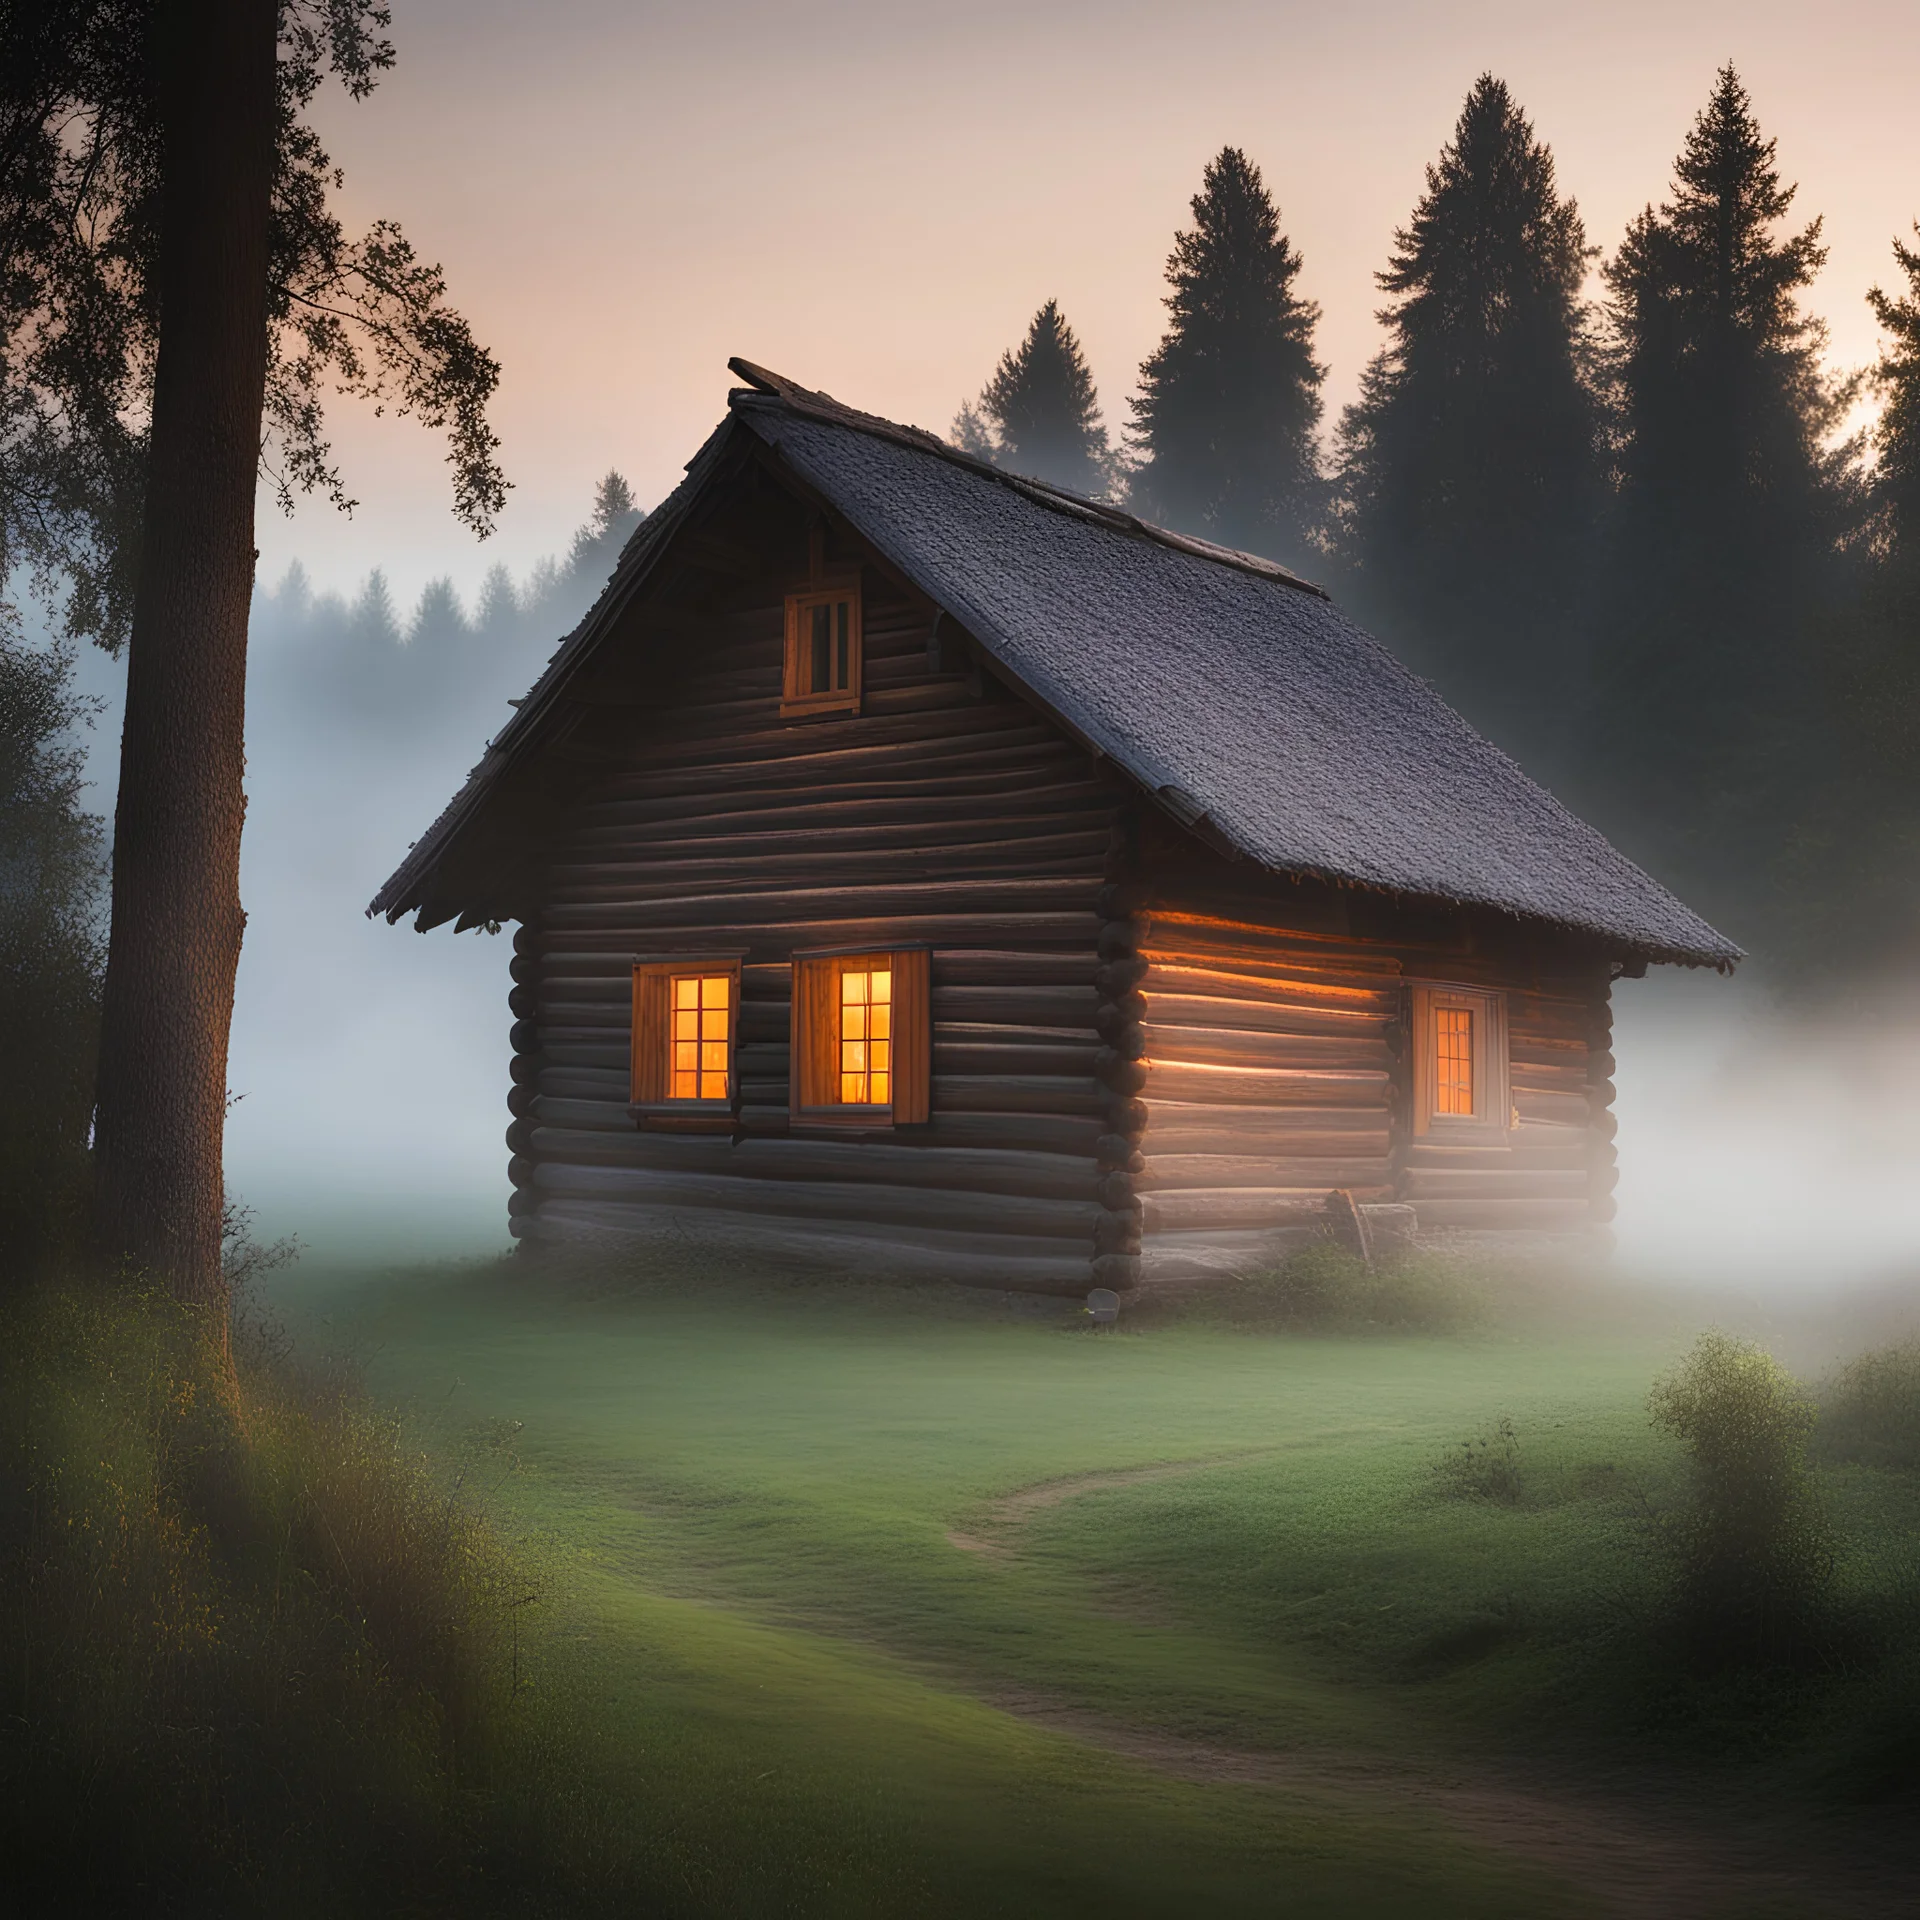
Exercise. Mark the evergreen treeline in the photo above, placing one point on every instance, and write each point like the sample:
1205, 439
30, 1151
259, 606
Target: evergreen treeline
1602, 498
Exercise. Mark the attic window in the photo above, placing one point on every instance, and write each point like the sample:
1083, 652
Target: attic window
685, 1019
823, 650
1460, 1077
862, 1038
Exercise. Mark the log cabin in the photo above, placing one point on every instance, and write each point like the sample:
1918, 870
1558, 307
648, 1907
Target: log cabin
920, 868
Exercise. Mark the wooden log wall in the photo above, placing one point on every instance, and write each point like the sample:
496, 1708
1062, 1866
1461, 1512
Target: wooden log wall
1273, 1030
940, 814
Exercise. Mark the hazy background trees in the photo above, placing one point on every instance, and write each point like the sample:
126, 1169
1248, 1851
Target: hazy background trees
1229, 401
1470, 468
1039, 414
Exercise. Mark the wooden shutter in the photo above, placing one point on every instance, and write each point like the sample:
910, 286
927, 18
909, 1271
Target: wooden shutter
912, 1036
815, 1036
650, 1037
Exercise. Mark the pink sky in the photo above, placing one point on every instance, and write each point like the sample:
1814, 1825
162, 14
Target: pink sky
874, 198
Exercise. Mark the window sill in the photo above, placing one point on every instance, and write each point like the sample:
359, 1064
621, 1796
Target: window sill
819, 706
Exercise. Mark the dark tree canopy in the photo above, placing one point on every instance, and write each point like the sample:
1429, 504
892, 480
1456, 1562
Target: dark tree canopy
1897, 434
52, 874
1733, 503
80, 226
1470, 466
1230, 399
1039, 414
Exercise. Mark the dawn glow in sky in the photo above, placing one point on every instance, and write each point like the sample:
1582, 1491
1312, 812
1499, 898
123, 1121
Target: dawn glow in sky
875, 198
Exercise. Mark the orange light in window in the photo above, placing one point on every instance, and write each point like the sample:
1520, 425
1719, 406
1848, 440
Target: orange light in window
700, 1010
1453, 1060
866, 1037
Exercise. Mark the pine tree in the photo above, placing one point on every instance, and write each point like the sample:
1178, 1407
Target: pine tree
1897, 434
1731, 504
1230, 400
596, 546
1039, 415
1470, 466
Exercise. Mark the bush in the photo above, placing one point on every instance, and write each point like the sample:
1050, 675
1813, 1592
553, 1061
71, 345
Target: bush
1755, 1549
1870, 1411
1487, 1467
258, 1659
1325, 1286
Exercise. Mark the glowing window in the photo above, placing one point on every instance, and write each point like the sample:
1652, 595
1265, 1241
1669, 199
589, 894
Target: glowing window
866, 1037
1461, 1080
701, 1005
1452, 1060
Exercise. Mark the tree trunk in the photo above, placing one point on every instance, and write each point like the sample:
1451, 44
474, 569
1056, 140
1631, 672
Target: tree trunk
175, 939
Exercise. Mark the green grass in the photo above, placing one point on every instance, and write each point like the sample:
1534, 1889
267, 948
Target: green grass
807, 1698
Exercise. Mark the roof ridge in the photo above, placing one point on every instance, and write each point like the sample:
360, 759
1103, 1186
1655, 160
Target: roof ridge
765, 386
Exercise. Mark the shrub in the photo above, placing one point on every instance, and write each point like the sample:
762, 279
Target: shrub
1754, 1546
258, 1659
1870, 1411
1324, 1285
1486, 1467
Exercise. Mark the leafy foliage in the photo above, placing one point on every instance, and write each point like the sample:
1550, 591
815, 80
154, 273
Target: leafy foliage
80, 198
1230, 399
1870, 1410
1485, 1467
1039, 415
264, 1659
51, 953
1324, 1286
1755, 1547
1470, 466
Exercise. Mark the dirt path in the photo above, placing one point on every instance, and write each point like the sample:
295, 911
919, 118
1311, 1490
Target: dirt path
992, 1534
1630, 1855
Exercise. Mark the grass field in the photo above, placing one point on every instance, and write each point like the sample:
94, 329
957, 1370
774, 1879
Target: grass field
915, 1602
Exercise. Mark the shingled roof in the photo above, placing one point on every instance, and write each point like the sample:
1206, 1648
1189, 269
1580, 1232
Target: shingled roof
1235, 693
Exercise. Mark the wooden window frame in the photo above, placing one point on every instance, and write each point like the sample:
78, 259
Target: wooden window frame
649, 1062
1491, 1121
816, 999
825, 592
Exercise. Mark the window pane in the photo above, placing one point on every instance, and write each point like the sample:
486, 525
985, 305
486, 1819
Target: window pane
1453, 1060
865, 1050
820, 629
842, 611
701, 1033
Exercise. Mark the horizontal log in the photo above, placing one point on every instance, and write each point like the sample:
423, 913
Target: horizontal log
883, 900
839, 1203
905, 1160
1000, 1261
1362, 1051
1061, 794
1194, 1209
1168, 1172
1067, 858
1422, 1184
904, 837
623, 937
1272, 1012
1183, 1120
1234, 1086
1541, 1108
1290, 981
1012, 1053
1018, 1093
